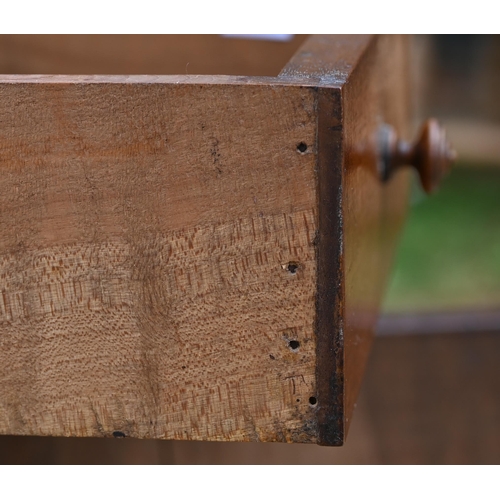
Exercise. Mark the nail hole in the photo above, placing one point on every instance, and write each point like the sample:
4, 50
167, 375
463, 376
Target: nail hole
271, 356
292, 267
298, 400
118, 434
313, 401
302, 147
294, 344
183, 367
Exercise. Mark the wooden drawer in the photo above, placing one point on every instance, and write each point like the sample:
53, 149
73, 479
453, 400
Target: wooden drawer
194, 257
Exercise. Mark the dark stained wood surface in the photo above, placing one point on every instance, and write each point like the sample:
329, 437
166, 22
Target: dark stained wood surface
327, 61
363, 83
435, 399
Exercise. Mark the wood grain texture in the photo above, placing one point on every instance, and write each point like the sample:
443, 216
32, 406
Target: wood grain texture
327, 61
196, 257
145, 287
425, 399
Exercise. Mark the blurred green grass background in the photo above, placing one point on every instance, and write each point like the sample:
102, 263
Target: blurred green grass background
449, 252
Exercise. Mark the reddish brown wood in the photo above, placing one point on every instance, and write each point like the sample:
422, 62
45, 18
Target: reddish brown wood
431, 154
285, 166
376, 92
147, 230
143, 55
362, 82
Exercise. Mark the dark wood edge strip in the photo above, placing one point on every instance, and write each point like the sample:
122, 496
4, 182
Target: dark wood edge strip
327, 62
329, 299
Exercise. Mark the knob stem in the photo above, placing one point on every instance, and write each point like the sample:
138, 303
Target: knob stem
431, 154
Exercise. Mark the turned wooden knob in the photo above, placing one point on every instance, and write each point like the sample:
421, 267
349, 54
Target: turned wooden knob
431, 155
